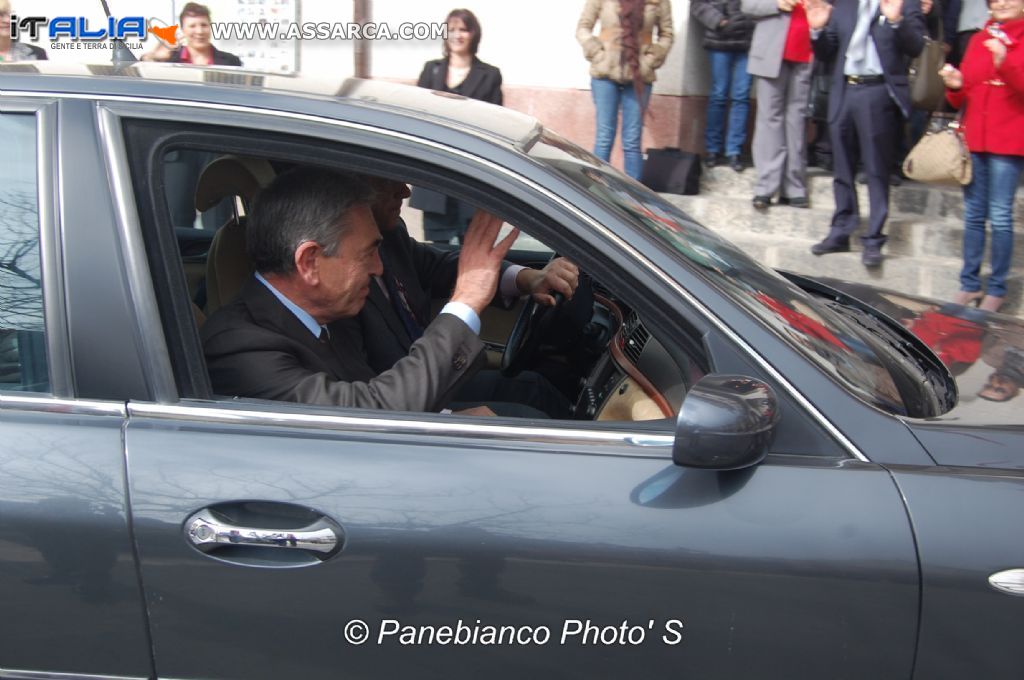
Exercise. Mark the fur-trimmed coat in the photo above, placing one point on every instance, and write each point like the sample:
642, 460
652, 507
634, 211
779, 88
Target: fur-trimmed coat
604, 50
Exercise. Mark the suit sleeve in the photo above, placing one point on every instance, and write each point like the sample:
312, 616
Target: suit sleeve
261, 365
436, 269
911, 33
425, 380
826, 45
950, 17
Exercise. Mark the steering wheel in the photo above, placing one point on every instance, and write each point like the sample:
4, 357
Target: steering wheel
531, 326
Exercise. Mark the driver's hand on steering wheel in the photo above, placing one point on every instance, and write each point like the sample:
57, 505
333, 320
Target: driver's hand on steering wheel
559, 276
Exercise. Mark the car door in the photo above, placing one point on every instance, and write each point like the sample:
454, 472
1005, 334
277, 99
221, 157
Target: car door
71, 602
281, 540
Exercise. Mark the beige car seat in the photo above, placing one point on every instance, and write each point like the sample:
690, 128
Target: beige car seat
227, 264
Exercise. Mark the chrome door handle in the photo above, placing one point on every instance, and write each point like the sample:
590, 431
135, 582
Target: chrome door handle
208, 533
1010, 581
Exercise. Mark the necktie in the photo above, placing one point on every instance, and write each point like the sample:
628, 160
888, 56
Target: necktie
325, 335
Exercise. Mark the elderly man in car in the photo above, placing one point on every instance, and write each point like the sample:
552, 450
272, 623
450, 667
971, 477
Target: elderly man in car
314, 243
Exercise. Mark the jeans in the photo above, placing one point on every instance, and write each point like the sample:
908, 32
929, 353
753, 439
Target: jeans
608, 97
730, 84
989, 196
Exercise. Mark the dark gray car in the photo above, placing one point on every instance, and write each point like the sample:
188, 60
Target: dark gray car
765, 477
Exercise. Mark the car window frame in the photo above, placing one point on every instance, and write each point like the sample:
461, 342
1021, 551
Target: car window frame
348, 157
55, 324
591, 232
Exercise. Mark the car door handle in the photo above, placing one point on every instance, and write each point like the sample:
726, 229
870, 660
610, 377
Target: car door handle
1010, 581
208, 533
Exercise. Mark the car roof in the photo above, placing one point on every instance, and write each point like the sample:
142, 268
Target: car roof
301, 94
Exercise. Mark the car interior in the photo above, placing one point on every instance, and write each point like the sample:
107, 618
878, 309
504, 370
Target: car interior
594, 348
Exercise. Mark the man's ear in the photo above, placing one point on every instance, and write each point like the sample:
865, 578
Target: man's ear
307, 262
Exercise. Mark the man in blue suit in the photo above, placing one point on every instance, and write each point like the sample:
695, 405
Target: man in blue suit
871, 43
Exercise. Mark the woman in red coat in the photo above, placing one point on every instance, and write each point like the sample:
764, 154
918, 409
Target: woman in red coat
990, 84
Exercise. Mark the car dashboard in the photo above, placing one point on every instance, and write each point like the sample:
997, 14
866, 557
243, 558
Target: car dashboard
635, 378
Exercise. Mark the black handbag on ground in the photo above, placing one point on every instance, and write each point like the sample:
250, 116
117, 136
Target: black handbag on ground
672, 171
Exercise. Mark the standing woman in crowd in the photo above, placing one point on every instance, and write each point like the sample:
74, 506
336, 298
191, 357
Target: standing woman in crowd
459, 72
990, 87
780, 57
194, 22
623, 58
727, 33
11, 50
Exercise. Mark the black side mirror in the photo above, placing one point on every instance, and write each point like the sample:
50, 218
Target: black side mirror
726, 423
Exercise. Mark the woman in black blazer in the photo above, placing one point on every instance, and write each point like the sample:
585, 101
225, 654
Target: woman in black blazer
459, 72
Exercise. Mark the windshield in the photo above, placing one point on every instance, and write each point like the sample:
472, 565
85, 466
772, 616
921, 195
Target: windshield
831, 341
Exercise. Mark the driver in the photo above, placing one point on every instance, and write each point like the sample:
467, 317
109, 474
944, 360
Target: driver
314, 243
399, 304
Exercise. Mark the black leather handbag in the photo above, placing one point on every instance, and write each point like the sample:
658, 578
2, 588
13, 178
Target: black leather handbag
672, 171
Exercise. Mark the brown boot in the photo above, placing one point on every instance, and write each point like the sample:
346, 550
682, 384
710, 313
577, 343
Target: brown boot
992, 303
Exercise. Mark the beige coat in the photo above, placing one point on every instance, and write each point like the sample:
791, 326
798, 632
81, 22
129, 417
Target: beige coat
603, 51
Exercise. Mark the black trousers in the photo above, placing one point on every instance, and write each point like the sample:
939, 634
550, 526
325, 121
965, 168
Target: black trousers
867, 130
528, 395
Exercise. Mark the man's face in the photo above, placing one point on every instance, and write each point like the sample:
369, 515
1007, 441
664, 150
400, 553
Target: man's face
387, 206
345, 276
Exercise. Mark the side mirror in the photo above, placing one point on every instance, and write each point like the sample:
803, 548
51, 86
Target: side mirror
726, 423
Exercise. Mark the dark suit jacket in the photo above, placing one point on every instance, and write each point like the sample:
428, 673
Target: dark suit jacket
255, 347
896, 47
427, 273
483, 81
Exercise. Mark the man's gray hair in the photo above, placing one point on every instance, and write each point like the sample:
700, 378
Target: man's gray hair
302, 204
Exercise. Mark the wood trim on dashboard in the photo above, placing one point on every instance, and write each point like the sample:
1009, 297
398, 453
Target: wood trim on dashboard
627, 366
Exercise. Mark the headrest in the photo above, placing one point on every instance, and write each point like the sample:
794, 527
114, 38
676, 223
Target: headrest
230, 176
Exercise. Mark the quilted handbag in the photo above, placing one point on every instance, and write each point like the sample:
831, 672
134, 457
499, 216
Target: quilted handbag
941, 157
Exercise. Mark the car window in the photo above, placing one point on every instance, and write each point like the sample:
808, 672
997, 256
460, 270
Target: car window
182, 170
835, 344
607, 362
23, 364
432, 217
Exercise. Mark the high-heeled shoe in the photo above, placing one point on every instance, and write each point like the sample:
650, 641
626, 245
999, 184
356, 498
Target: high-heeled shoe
968, 297
992, 303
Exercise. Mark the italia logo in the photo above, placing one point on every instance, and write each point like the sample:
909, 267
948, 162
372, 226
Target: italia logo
168, 34
81, 28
